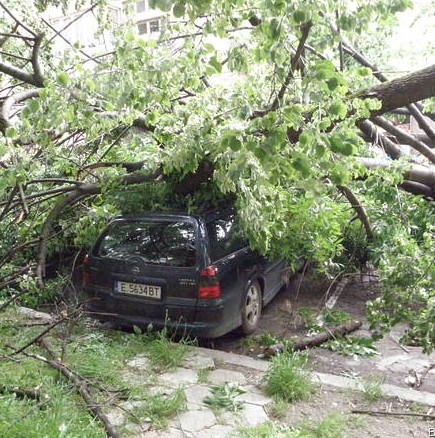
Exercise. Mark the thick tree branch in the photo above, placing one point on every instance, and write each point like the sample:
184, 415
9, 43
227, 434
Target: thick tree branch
13, 100
132, 166
417, 173
402, 91
359, 209
84, 190
296, 58
19, 74
412, 108
391, 149
404, 137
37, 71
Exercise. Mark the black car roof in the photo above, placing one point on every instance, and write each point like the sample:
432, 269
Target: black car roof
174, 214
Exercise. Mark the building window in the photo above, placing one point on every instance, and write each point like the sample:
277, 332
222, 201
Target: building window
141, 6
142, 27
114, 16
154, 26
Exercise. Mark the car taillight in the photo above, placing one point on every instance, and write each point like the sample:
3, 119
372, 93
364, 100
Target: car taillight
209, 286
86, 277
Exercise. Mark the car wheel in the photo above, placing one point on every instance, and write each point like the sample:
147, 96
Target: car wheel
251, 308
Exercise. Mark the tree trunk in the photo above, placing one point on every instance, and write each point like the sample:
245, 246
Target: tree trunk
402, 91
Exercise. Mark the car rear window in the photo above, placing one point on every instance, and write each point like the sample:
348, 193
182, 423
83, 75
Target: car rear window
170, 243
225, 236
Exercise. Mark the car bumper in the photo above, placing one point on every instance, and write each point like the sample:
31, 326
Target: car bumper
206, 320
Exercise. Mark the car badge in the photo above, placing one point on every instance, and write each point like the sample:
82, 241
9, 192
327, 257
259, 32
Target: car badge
135, 270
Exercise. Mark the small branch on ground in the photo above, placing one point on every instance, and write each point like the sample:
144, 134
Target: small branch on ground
303, 343
43, 333
21, 391
397, 414
81, 386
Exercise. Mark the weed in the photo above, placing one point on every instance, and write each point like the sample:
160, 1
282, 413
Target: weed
203, 375
335, 316
163, 353
331, 426
352, 346
278, 408
310, 322
372, 390
417, 408
288, 377
158, 408
224, 397
266, 430
249, 341
268, 339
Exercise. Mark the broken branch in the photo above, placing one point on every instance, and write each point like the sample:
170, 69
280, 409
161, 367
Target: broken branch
399, 414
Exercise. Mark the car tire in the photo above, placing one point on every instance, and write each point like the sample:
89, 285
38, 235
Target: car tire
251, 308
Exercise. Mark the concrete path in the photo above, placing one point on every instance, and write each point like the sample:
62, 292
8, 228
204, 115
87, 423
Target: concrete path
200, 371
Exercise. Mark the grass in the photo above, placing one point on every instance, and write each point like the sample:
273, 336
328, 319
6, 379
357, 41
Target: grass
288, 377
100, 356
158, 409
203, 375
331, 426
59, 412
278, 408
372, 388
165, 354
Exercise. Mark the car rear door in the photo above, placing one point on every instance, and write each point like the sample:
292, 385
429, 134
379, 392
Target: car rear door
234, 261
147, 267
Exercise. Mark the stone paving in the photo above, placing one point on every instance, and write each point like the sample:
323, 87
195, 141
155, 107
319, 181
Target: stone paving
197, 375
204, 368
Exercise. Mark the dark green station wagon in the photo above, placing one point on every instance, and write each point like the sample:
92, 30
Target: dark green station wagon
191, 273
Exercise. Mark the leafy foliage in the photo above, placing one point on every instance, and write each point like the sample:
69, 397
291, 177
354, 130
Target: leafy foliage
353, 346
224, 397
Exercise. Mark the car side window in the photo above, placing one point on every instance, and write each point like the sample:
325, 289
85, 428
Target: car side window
225, 237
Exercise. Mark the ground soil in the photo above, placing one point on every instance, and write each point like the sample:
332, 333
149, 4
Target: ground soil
395, 364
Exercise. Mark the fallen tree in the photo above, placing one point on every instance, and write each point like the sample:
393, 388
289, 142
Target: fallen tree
303, 139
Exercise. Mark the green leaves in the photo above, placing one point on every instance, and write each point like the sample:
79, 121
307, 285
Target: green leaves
163, 5
179, 9
342, 145
302, 164
63, 78
337, 110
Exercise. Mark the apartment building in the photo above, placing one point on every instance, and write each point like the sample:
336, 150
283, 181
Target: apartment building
80, 28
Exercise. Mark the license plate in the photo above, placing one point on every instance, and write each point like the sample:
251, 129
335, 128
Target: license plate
142, 290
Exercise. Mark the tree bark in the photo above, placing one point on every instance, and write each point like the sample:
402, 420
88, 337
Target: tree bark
402, 91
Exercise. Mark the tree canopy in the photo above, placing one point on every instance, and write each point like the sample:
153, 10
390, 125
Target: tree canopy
269, 104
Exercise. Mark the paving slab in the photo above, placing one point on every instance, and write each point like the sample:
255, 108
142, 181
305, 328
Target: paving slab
140, 363
221, 375
168, 433
178, 377
236, 359
199, 361
254, 398
218, 431
195, 394
197, 420
253, 415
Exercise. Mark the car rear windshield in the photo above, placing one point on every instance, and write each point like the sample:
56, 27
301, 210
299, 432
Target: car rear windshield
170, 243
